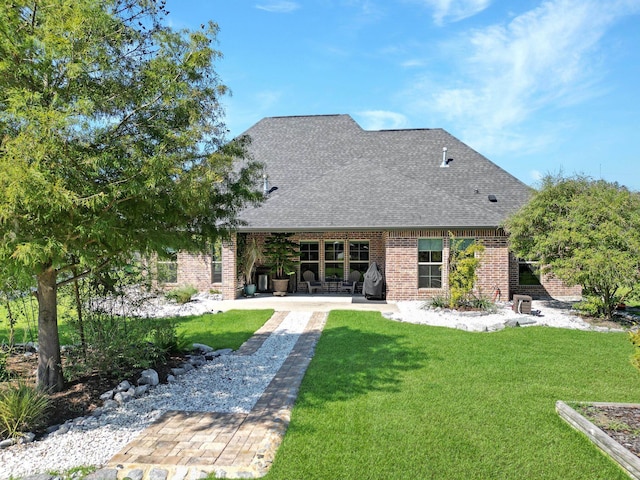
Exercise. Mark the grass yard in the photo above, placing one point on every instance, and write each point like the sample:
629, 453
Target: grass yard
387, 400
222, 330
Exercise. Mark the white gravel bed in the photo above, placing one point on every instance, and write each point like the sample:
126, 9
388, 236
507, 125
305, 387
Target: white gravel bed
549, 313
230, 383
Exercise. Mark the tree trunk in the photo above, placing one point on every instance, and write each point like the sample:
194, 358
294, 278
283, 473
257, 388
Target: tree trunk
49, 376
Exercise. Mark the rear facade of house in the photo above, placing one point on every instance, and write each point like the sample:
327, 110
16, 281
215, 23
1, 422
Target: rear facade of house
351, 197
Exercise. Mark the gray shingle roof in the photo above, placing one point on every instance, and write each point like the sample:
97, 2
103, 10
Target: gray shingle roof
333, 175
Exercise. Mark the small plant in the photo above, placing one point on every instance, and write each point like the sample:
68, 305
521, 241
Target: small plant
4, 374
181, 294
115, 347
635, 339
590, 306
470, 303
249, 254
73, 473
166, 339
22, 409
438, 302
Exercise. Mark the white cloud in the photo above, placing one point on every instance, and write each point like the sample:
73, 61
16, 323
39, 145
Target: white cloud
455, 10
413, 63
543, 58
382, 120
536, 175
278, 6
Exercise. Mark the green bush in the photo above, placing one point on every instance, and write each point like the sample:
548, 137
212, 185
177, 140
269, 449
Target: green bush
4, 374
634, 336
591, 306
438, 302
181, 294
115, 347
166, 338
469, 303
22, 409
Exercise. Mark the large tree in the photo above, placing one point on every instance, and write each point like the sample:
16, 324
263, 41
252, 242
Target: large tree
111, 141
585, 232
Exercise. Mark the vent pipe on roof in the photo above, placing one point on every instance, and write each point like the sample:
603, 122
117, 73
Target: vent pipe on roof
445, 160
265, 185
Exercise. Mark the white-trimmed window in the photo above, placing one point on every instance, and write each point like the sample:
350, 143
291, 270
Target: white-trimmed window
359, 256
430, 263
216, 262
334, 259
310, 258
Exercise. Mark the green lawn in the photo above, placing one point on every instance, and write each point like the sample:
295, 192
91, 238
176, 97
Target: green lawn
387, 400
223, 330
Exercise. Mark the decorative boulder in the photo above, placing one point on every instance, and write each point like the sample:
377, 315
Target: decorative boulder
149, 377
202, 347
123, 386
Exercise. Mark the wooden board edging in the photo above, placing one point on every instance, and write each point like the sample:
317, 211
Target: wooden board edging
627, 460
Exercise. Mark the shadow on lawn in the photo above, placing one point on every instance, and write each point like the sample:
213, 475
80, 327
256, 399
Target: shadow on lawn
350, 362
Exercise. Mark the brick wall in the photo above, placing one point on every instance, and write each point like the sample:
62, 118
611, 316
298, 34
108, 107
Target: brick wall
402, 263
396, 253
195, 270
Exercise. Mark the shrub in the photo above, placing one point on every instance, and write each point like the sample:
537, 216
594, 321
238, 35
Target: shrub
4, 374
438, 302
166, 339
635, 339
469, 303
464, 261
22, 409
115, 347
590, 306
181, 294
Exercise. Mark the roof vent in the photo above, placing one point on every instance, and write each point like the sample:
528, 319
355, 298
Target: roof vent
445, 160
265, 185
492, 198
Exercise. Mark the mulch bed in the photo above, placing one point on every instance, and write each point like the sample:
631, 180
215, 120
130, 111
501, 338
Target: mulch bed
81, 396
620, 422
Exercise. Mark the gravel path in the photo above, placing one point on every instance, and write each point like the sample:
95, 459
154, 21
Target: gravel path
230, 383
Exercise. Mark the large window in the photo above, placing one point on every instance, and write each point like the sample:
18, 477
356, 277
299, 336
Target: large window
359, 257
528, 273
430, 263
167, 265
333, 260
216, 262
310, 258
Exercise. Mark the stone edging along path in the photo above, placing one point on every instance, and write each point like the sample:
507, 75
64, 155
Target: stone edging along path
627, 460
185, 445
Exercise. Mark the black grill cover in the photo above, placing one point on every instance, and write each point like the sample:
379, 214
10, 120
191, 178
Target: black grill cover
373, 285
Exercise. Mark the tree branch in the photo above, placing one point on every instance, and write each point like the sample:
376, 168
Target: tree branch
82, 274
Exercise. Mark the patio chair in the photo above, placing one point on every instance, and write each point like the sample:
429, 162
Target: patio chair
350, 285
310, 280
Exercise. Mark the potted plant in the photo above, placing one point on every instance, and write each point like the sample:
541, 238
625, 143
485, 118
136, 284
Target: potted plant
281, 254
250, 254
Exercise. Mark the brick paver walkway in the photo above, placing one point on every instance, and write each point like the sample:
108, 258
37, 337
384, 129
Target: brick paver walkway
188, 445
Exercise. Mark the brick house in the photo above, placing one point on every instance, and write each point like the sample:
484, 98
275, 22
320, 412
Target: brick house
352, 197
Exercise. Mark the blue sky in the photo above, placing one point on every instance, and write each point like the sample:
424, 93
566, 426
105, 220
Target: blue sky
536, 86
